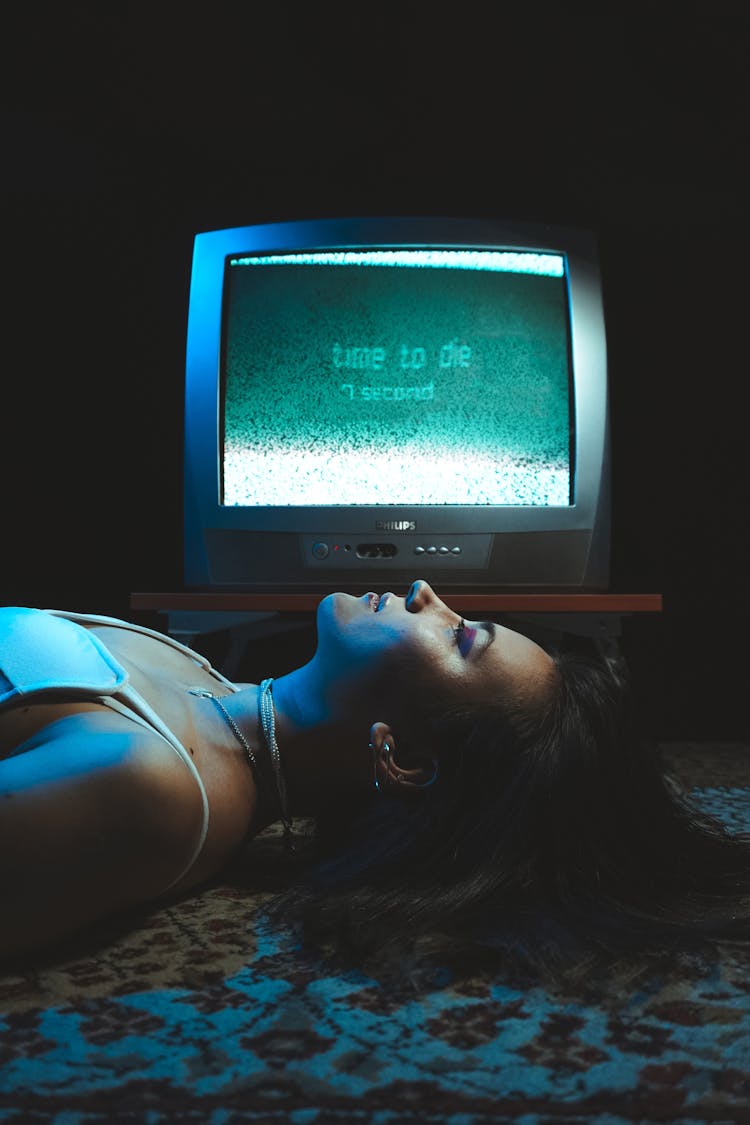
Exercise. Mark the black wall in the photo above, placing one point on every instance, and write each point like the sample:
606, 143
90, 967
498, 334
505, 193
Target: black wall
123, 138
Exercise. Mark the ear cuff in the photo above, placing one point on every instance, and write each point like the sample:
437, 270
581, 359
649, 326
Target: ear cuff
399, 776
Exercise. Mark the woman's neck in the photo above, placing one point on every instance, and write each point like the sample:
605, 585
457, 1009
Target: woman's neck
324, 755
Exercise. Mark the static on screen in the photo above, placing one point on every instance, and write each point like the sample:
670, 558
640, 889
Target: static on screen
397, 377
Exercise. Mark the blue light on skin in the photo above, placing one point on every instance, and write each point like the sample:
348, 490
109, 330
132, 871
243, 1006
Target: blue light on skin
491, 261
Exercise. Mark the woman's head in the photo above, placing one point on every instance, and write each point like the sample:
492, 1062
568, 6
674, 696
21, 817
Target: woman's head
433, 694
386, 674
550, 828
526, 742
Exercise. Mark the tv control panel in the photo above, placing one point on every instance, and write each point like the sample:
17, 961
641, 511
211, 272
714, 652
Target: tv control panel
334, 552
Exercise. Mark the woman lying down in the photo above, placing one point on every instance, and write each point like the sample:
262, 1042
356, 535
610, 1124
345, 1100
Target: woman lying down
469, 788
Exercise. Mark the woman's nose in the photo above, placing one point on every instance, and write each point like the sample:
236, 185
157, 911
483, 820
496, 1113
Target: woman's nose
420, 594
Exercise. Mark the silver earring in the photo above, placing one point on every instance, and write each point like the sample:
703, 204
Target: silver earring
376, 783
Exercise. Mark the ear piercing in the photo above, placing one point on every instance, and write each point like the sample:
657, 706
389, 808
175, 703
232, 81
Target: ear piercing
376, 781
398, 775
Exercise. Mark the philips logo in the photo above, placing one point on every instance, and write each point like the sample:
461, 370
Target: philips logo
395, 525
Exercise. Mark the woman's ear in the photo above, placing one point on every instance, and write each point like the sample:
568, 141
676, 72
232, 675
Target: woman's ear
388, 774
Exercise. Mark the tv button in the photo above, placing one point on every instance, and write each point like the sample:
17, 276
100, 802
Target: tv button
432, 550
419, 550
444, 551
455, 550
320, 550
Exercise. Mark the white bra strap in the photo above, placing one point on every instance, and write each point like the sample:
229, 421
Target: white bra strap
132, 706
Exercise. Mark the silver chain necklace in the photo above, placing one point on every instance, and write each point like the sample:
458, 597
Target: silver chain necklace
267, 719
268, 726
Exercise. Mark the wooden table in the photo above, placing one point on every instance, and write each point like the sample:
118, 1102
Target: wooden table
507, 602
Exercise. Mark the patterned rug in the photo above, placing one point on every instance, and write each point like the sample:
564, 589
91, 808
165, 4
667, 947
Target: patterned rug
200, 1014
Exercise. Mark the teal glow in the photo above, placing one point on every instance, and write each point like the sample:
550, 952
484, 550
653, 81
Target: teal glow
492, 261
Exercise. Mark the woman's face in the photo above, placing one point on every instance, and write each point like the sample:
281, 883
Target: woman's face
384, 649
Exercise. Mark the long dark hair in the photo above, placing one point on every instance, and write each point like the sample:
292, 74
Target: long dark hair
552, 836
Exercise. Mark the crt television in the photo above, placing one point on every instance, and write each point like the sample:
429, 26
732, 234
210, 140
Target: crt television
374, 399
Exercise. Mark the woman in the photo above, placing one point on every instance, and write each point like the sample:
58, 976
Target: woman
467, 785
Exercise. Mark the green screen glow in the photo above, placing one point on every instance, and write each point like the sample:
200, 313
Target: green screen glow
448, 383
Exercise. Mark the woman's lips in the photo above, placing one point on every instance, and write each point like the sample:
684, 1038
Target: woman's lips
378, 601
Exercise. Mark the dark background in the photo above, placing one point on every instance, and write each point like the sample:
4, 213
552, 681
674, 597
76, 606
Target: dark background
124, 132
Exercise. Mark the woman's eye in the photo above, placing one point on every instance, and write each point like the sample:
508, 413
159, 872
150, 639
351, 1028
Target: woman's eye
458, 632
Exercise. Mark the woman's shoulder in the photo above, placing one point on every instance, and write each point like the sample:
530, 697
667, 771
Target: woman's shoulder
99, 815
115, 760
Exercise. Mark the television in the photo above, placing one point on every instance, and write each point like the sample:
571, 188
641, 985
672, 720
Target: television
372, 399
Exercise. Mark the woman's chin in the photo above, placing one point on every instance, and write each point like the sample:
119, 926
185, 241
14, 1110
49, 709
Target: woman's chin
338, 609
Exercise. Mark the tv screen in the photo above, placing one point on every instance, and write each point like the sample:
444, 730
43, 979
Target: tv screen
426, 376
370, 399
